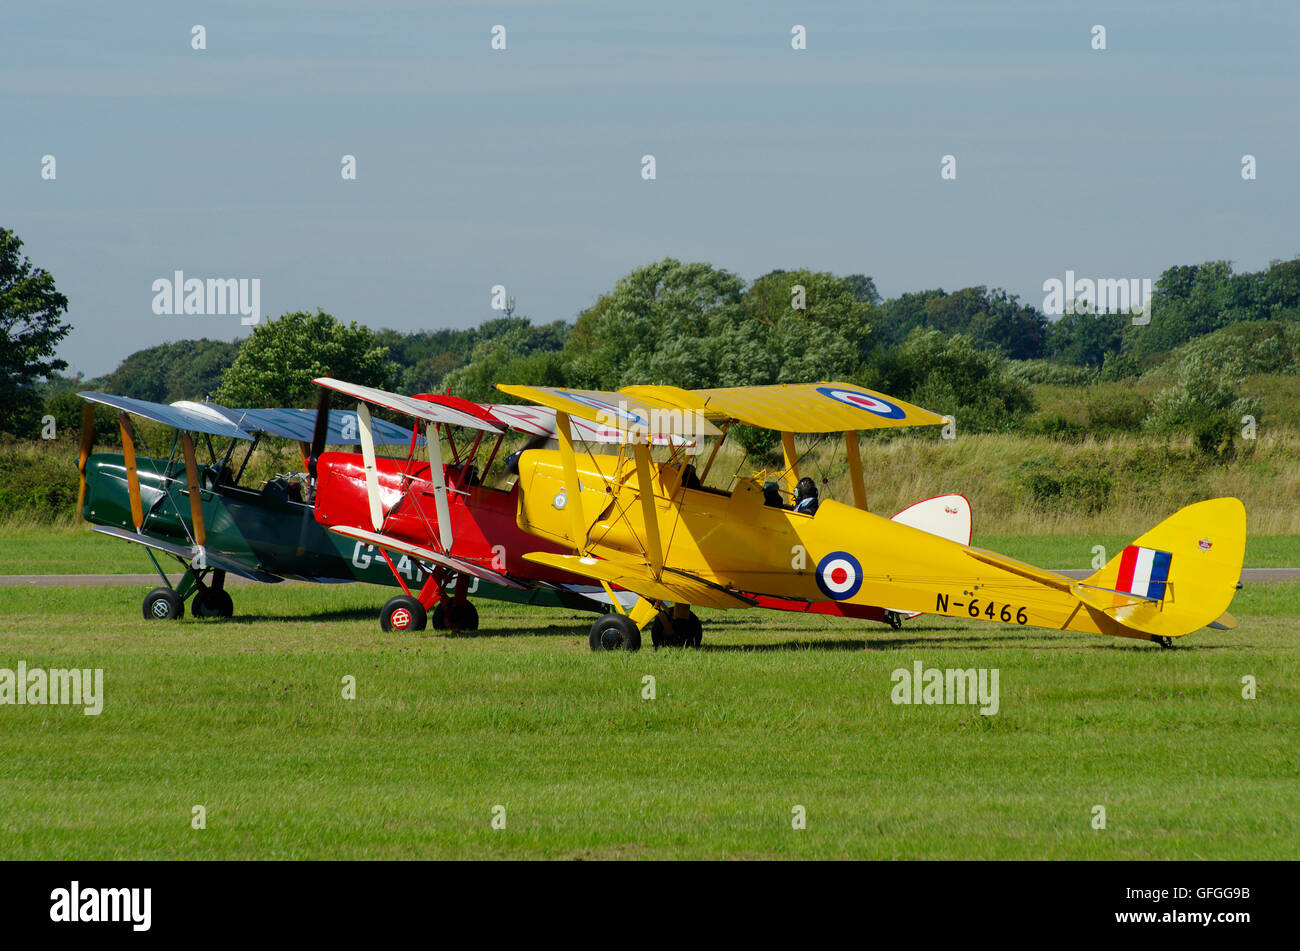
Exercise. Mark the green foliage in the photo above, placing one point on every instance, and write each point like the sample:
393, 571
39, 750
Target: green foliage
1192, 301
38, 481
428, 356
66, 409
1053, 487
31, 326
276, 365
952, 376
184, 370
1203, 401
992, 319
658, 325
1044, 371
1116, 412
1086, 340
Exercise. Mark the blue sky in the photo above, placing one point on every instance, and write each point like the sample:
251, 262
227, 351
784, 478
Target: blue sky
522, 167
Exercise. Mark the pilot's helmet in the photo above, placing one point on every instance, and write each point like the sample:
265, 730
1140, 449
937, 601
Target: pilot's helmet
805, 488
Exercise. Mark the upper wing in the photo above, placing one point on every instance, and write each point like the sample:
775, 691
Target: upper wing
671, 586
299, 425
192, 417
789, 407
657, 419
426, 410
795, 407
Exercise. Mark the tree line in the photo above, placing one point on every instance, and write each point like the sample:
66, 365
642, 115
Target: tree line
972, 352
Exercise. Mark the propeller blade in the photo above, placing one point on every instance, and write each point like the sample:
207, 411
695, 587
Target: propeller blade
87, 444
132, 476
192, 483
319, 434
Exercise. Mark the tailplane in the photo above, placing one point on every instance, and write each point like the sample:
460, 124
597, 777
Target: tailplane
1178, 577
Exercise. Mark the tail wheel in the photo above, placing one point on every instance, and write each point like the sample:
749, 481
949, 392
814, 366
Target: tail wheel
403, 613
209, 602
687, 632
163, 604
613, 632
463, 617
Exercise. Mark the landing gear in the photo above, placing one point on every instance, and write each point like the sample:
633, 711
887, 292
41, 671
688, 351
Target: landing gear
894, 619
163, 604
403, 613
463, 617
212, 602
613, 632
1166, 643
686, 632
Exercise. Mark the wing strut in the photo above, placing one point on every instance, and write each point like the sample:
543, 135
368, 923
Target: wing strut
791, 462
192, 482
368, 459
854, 451
132, 476
87, 444
572, 487
641, 451
438, 477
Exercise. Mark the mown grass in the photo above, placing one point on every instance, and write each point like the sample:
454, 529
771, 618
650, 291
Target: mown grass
247, 718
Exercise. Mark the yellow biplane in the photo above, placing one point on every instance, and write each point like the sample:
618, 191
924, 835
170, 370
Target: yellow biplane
653, 526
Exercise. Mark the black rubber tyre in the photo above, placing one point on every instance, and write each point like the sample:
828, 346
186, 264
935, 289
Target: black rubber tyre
464, 616
403, 614
613, 632
687, 632
163, 604
894, 620
210, 603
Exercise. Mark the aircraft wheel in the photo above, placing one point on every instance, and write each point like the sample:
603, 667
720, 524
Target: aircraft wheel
894, 620
463, 617
613, 632
163, 604
211, 603
687, 632
403, 613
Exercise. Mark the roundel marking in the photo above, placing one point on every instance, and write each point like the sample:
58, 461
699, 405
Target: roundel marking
619, 412
872, 404
839, 575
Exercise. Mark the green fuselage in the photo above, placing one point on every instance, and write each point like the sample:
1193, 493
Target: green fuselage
267, 530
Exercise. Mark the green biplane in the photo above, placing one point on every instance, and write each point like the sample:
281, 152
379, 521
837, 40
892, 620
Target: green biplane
204, 518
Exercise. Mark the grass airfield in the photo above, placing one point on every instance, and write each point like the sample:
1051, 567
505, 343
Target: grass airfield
247, 718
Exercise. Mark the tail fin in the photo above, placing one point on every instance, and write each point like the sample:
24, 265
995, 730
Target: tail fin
947, 516
1178, 577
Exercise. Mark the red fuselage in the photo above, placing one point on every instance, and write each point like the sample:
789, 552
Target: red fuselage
483, 525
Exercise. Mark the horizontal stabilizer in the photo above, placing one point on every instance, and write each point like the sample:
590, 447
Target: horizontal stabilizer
1024, 569
1225, 622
